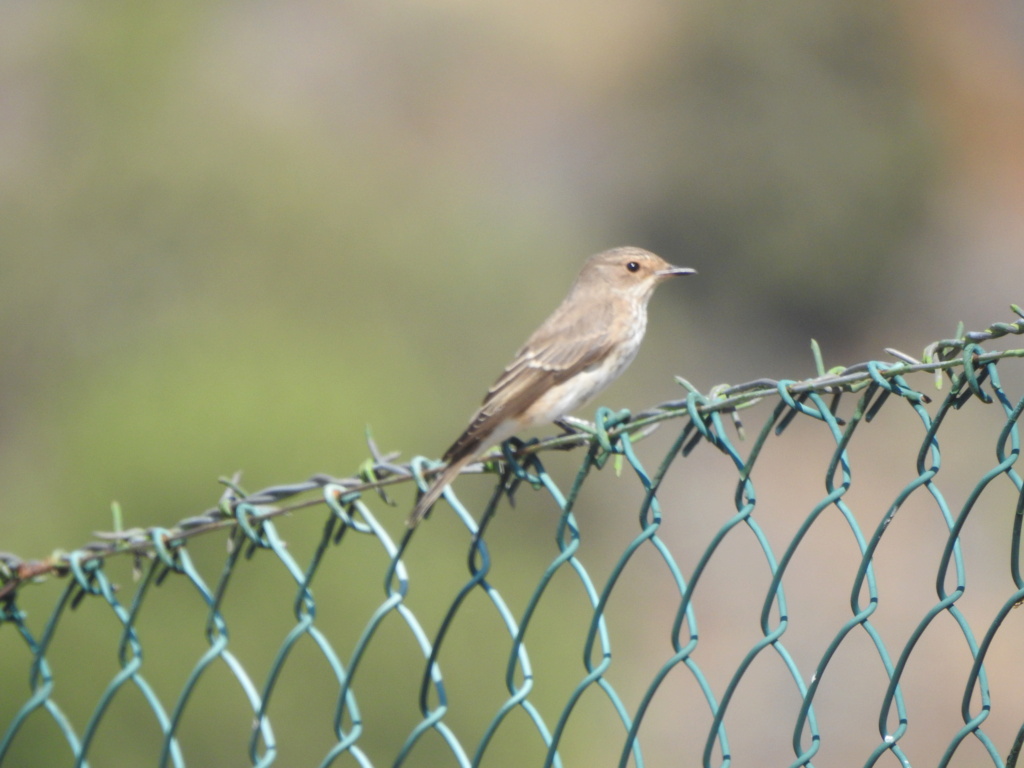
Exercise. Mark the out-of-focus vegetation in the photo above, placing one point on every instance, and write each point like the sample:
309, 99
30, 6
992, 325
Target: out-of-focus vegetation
233, 235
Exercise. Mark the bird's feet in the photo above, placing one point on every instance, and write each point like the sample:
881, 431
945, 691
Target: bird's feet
571, 425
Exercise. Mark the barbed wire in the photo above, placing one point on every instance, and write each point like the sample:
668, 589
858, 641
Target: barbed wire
380, 470
678, 583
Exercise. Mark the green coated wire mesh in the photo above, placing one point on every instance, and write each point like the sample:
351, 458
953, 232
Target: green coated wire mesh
836, 588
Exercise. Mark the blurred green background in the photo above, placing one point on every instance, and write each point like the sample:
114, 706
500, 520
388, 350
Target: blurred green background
234, 235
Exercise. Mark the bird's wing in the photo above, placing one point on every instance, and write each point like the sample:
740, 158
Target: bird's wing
548, 358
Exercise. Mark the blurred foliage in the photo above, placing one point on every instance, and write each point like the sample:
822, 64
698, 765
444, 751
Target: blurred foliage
789, 150
236, 234
206, 271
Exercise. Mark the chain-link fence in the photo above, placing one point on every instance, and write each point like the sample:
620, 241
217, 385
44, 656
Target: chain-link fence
835, 588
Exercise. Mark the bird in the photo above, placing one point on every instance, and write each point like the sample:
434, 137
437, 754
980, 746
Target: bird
586, 343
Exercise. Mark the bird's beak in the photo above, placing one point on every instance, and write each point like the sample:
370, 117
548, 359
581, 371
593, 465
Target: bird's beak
674, 271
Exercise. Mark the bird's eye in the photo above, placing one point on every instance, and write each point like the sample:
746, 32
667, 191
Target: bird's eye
632, 266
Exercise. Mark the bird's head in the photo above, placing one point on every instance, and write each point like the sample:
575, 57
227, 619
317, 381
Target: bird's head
629, 270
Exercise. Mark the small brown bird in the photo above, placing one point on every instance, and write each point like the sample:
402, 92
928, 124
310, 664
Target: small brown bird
583, 347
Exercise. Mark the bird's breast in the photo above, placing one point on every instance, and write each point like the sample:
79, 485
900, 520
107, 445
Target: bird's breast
565, 397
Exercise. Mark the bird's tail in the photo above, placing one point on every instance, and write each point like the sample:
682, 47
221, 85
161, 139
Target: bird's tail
433, 493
